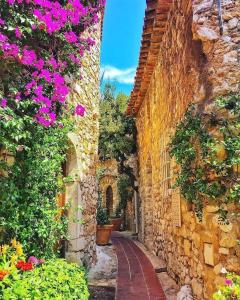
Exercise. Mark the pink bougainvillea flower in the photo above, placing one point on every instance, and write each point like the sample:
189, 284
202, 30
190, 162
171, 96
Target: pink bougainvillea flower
45, 76
80, 110
228, 282
11, 2
53, 63
3, 102
39, 64
18, 33
71, 37
3, 38
45, 117
28, 57
74, 59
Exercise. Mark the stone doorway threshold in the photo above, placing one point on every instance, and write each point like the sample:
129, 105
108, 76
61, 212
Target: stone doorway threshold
169, 286
102, 277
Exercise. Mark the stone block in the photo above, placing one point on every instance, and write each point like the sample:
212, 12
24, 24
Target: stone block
207, 34
196, 239
212, 208
208, 254
187, 247
224, 251
217, 269
233, 23
228, 240
233, 264
197, 288
226, 227
238, 251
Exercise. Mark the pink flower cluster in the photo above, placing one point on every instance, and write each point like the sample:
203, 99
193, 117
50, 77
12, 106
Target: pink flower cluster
47, 85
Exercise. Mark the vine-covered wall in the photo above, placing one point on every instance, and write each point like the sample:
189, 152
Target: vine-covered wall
195, 65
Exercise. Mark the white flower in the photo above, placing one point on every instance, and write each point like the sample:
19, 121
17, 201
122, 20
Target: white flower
224, 271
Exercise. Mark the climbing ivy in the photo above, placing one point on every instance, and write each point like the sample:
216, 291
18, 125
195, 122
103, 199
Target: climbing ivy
206, 145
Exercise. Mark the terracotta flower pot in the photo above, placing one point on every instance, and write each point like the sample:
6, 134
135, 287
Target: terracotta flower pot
103, 234
116, 222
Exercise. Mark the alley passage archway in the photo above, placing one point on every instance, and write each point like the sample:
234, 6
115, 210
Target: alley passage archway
109, 201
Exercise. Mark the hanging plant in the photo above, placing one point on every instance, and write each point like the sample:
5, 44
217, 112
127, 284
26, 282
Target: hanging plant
207, 147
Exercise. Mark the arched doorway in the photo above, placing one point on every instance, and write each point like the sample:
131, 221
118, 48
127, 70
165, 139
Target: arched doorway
109, 201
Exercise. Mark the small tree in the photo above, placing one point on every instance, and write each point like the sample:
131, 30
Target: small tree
117, 134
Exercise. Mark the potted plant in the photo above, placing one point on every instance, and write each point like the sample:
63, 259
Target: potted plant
104, 229
117, 219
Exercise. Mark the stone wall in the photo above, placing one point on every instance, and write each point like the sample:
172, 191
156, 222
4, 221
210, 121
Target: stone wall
109, 179
195, 64
81, 192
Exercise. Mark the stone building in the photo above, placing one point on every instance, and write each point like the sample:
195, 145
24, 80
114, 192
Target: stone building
81, 192
108, 186
184, 58
109, 191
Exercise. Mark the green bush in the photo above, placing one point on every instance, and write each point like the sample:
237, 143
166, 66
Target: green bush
231, 289
55, 279
29, 208
102, 217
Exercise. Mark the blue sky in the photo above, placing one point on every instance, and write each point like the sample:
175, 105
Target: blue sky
122, 32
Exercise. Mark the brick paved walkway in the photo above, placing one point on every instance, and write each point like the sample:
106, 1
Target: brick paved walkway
136, 279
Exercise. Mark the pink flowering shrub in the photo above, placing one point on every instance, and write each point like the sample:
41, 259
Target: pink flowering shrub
42, 41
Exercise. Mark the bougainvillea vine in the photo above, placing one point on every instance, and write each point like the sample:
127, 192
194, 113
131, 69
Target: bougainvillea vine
41, 45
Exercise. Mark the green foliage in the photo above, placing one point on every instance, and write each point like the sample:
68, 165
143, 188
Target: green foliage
28, 209
117, 138
117, 131
231, 290
55, 279
207, 147
125, 190
102, 217
118, 212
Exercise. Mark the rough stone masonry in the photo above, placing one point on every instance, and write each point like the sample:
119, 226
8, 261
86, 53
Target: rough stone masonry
183, 59
81, 191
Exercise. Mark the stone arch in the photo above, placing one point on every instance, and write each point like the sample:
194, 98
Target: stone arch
109, 200
106, 182
73, 199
